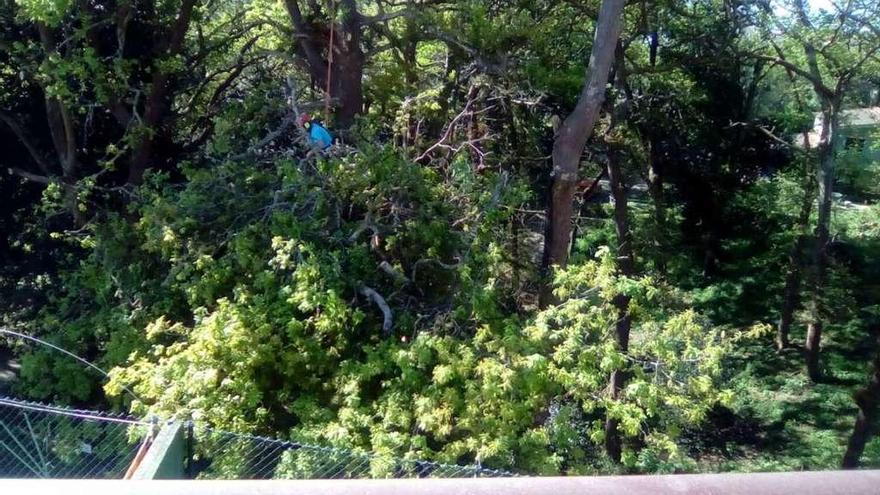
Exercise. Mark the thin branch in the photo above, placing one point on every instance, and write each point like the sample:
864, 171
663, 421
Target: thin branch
770, 134
366, 20
394, 273
448, 266
378, 300
25, 139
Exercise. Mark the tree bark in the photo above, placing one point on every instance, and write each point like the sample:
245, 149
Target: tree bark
625, 265
655, 189
825, 176
867, 400
347, 70
793, 276
625, 258
63, 134
158, 101
790, 294
573, 135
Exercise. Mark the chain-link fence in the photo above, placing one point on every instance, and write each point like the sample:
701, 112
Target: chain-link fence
39, 441
224, 455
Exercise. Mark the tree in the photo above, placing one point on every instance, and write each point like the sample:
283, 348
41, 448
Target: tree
572, 136
867, 401
159, 97
625, 257
111, 79
835, 50
331, 45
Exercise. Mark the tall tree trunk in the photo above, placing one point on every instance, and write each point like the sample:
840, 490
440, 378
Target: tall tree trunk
867, 400
63, 134
625, 259
625, 265
346, 71
572, 137
348, 60
158, 102
793, 276
790, 294
655, 189
825, 177
347, 89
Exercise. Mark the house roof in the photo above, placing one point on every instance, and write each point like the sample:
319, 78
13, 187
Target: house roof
854, 117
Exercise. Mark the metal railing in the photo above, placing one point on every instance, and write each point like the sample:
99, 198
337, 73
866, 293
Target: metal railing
220, 454
800, 483
39, 441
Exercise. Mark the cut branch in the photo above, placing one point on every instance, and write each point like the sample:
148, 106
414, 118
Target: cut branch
41, 179
379, 301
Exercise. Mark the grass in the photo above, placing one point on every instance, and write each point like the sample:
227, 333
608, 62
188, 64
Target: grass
779, 420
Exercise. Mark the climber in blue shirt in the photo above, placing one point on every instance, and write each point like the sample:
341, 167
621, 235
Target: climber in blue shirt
319, 136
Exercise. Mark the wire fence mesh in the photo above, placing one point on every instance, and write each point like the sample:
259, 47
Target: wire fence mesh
39, 441
223, 455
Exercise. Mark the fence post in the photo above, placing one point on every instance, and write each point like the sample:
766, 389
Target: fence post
190, 442
166, 457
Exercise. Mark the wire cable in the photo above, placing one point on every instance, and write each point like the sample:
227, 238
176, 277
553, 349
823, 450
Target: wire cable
68, 353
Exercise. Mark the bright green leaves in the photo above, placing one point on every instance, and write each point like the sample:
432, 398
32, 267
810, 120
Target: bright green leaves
49, 12
210, 373
673, 364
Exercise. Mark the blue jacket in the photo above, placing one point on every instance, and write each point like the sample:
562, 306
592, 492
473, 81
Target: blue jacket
319, 136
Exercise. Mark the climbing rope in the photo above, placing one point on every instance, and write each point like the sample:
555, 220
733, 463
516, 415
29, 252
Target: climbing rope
329, 62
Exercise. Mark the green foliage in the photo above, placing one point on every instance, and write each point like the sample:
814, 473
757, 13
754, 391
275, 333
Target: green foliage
288, 349
673, 364
859, 169
229, 285
48, 11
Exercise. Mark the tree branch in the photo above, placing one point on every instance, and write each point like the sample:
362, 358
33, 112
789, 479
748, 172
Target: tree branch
818, 84
41, 179
379, 301
25, 139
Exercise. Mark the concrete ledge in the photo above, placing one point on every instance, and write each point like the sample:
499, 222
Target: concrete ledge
797, 483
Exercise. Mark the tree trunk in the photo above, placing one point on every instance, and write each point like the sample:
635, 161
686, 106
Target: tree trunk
573, 135
625, 259
825, 176
348, 89
347, 70
867, 401
655, 189
63, 134
613, 441
625, 265
790, 295
158, 101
